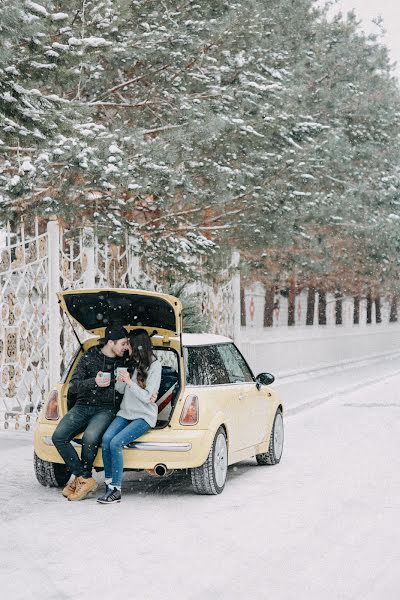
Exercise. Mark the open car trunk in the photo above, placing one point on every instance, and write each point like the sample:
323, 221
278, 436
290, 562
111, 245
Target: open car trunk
94, 310
159, 314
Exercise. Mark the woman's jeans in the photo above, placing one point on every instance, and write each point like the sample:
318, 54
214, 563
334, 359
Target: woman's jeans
120, 433
93, 421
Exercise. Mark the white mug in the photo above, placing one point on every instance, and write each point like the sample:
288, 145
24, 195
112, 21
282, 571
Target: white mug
120, 370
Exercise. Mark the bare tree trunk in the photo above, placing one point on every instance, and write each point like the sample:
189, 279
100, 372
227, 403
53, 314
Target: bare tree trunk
321, 307
242, 308
393, 309
369, 307
310, 306
338, 308
292, 302
269, 305
378, 312
356, 313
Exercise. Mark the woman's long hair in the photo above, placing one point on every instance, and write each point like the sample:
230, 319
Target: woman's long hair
142, 354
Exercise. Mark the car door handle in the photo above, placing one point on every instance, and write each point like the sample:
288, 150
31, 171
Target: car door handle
241, 397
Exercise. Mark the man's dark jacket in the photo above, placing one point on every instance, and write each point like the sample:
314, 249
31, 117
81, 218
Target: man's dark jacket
83, 388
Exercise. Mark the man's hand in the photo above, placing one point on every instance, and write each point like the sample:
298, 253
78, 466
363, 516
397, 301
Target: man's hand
103, 383
153, 398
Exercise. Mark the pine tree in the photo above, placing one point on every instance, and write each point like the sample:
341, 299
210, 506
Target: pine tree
206, 126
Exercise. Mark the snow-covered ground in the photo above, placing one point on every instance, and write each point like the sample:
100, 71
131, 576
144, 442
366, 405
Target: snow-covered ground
321, 525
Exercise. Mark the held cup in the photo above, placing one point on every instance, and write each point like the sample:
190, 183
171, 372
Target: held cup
118, 372
105, 377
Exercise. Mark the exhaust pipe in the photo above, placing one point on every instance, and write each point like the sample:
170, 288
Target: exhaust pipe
159, 470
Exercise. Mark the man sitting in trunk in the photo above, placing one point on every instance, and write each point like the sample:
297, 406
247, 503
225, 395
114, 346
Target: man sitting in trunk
93, 384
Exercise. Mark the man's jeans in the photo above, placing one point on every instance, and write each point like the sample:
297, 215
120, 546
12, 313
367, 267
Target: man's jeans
93, 420
120, 433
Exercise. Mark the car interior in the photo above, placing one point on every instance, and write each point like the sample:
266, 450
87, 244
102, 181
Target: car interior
169, 387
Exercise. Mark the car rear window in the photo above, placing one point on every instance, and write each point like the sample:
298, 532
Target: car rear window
204, 366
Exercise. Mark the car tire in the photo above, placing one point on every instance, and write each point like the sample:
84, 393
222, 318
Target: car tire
275, 449
210, 478
50, 474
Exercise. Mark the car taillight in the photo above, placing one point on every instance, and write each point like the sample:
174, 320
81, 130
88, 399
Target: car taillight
190, 412
52, 407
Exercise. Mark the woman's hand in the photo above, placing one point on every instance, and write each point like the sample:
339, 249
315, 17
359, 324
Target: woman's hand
125, 377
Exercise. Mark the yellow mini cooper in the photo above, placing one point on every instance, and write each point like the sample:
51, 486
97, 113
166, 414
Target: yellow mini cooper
212, 411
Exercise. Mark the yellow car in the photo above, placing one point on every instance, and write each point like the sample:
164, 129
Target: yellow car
213, 412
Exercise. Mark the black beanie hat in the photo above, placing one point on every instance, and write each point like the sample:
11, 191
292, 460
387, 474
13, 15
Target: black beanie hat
114, 332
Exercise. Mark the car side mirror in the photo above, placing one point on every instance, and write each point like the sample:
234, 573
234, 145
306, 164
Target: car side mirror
264, 379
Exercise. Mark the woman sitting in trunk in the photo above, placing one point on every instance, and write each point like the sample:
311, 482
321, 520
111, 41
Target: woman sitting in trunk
138, 412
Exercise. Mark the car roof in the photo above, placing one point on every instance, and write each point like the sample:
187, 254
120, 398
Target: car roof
203, 339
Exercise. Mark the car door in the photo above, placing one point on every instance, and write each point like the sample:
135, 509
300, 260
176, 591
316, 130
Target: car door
252, 401
205, 367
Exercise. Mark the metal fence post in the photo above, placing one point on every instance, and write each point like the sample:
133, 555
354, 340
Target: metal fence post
53, 253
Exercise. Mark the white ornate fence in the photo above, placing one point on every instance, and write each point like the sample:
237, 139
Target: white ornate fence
36, 341
24, 326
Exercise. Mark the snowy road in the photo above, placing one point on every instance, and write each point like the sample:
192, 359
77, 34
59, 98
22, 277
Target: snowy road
321, 525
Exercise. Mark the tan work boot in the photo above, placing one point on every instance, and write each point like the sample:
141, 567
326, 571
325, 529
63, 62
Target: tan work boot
70, 487
83, 488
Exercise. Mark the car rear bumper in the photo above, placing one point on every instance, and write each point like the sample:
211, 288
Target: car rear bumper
147, 446
176, 449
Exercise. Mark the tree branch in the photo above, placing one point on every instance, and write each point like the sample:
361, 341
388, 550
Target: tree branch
165, 128
16, 149
128, 82
118, 104
230, 212
178, 214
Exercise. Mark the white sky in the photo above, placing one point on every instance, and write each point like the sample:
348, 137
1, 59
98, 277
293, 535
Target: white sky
368, 10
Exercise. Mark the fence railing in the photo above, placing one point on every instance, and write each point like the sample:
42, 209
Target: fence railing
36, 341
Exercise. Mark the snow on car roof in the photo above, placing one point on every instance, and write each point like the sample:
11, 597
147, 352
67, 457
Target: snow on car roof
203, 339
